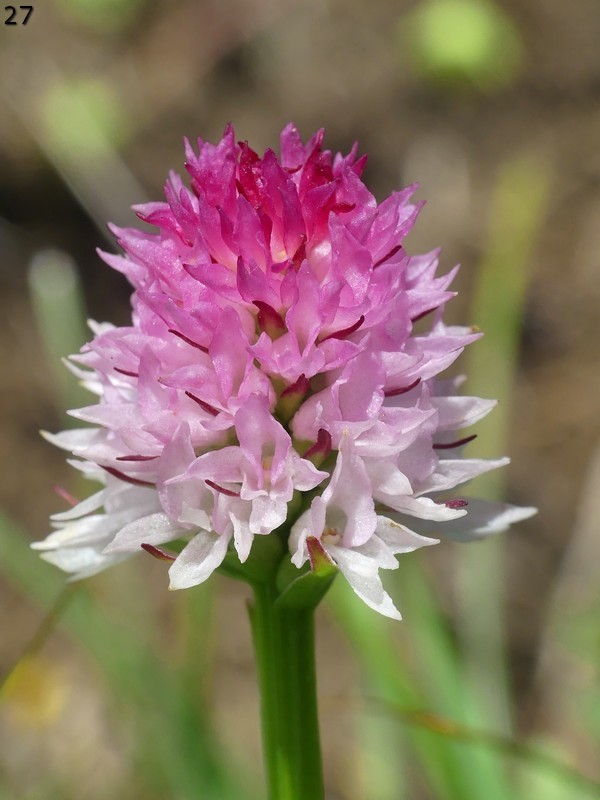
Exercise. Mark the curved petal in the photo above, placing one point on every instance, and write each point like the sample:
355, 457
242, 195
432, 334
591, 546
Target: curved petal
363, 576
153, 529
198, 560
399, 538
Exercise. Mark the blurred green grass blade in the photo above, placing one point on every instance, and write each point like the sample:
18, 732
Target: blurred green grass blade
195, 638
539, 779
382, 756
57, 299
547, 764
176, 754
384, 668
85, 155
517, 211
392, 672
567, 681
448, 688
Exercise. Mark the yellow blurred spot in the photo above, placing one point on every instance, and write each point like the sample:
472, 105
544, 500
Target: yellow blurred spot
35, 692
436, 723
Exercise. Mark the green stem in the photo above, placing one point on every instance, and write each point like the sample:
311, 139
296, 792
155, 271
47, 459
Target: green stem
284, 645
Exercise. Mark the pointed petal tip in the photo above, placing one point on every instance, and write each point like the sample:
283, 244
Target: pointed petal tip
526, 512
42, 545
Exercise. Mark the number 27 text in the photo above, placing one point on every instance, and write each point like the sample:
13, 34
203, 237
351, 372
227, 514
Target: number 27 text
14, 18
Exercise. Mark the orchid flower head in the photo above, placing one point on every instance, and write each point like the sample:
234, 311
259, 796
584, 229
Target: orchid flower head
272, 382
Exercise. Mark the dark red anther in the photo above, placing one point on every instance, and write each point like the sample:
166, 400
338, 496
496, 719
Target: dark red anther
194, 185
268, 319
387, 256
221, 489
317, 168
158, 552
127, 478
402, 389
458, 443
66, 495
321, 447
458, 503
300, 387
266, 223
126, 372
423, 314
249, 183
342, 207
299, 255
203, 405
188, 341
136, 458
344, 333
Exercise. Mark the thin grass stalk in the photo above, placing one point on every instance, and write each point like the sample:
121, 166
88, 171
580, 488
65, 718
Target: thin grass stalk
516, 214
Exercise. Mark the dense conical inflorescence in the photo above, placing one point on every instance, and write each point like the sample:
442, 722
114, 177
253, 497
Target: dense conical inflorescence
271, 382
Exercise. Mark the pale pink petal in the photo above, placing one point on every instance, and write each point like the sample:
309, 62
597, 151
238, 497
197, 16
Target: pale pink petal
483, 518
154, 529
82, 562
362, 573
399, 538
198, 560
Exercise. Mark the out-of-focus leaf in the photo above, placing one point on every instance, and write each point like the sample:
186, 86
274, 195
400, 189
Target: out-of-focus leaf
463, 41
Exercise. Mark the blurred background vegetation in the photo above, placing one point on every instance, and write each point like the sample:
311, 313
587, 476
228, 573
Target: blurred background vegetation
489, 687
